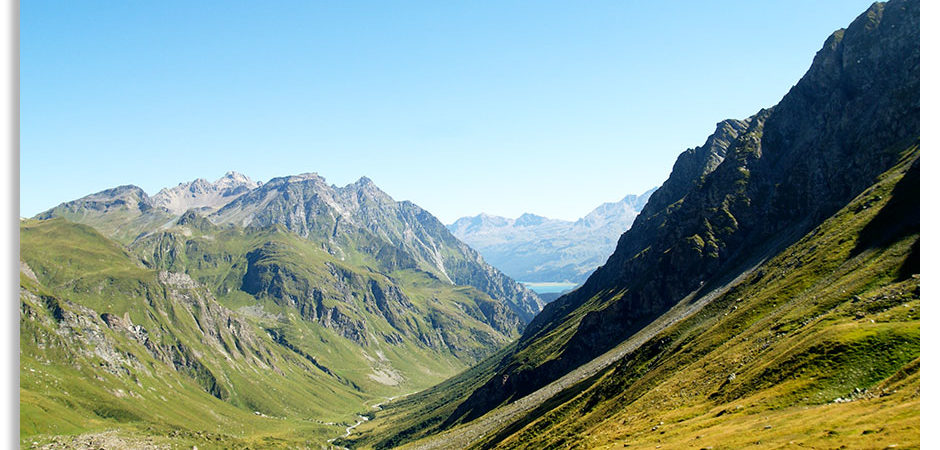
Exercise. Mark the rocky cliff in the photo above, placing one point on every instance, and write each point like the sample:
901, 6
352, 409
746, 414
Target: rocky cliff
755, 187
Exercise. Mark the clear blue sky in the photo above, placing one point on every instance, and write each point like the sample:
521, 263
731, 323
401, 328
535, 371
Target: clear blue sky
461, 107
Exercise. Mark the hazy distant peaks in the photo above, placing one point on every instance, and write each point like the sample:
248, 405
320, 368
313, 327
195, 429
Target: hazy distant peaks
536, 248
603, 215
527, 219
202, 195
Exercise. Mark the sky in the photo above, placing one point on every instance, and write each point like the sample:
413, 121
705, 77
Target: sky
544, 107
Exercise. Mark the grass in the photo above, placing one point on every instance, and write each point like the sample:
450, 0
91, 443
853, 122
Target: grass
210, 359
819, 346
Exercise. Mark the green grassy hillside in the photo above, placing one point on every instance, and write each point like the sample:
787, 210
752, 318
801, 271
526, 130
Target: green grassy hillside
818, 346
106, 343
172, 343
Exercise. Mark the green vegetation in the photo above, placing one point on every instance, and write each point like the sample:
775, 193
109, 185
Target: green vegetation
116, 338
818, 346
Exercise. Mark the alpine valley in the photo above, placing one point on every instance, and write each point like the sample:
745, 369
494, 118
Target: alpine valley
246, 314
768, 294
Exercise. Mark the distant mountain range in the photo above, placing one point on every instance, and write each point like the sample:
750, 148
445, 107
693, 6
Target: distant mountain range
533, 248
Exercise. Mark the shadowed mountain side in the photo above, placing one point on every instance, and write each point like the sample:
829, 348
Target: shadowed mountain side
753, 190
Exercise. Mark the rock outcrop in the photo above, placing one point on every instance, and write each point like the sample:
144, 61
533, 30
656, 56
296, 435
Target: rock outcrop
754, 188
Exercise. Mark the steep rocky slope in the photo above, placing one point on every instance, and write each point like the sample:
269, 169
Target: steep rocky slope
107, 343
361, 218
112, 329
539, 249
358, 219
754, 189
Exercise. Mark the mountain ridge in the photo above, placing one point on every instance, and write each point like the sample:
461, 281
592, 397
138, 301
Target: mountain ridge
533, 248
204, 196
346, 295
753, 190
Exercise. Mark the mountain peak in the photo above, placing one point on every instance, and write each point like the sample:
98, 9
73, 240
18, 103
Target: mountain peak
202, 195
529, 219
536, 248
235, 177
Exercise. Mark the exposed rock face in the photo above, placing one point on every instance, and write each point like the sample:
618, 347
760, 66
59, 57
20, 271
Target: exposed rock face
695, 163
201, 195
82, 330
752, 189
535, 248
360, 216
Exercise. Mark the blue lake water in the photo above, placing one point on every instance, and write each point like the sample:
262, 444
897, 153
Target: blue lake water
546, 287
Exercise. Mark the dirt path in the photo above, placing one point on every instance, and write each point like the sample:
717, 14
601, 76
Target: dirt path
361, 420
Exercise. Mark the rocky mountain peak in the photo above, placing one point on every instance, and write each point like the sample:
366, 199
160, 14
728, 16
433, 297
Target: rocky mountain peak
307, 176
756, 185
235, 180
202, 195
127, 191
363, 191
364, 182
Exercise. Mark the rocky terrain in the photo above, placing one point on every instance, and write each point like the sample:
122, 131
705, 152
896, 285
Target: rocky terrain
361, 217
532, 248
203, 196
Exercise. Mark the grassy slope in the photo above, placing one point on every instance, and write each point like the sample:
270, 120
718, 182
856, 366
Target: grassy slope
69, 386
122, 225
836, 311
215, 258
835, 317
67, 389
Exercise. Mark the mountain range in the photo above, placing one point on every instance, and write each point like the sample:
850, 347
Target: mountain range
235, 300
768, 293
533, 248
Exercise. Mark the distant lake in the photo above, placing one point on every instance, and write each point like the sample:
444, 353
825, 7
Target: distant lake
549, 286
